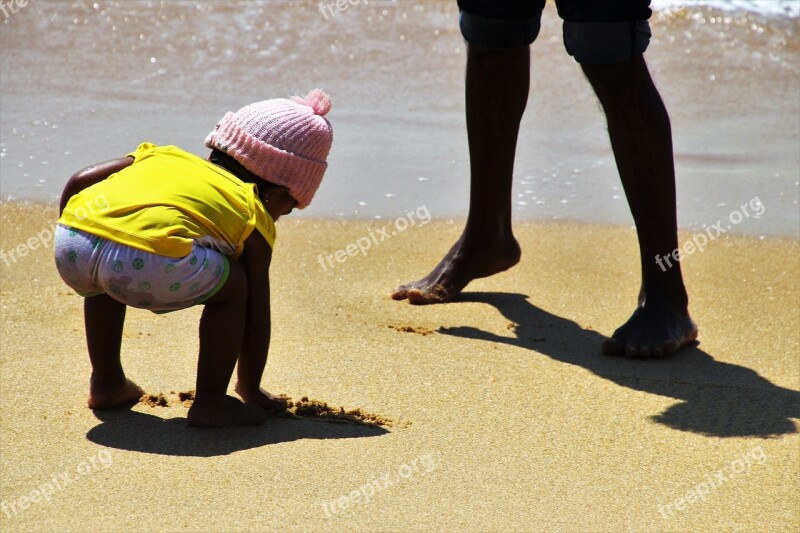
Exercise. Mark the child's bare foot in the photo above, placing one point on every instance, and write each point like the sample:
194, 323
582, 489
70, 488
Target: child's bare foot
224, 411
269, 402
462, 264
103, 395
656, 328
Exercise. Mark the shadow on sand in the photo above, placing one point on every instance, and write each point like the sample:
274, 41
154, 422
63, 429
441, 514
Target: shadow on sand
125, 429
717, 399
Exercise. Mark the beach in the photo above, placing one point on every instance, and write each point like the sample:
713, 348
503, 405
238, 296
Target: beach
504, 413
495, 412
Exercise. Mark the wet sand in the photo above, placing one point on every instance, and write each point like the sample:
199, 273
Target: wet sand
515, 421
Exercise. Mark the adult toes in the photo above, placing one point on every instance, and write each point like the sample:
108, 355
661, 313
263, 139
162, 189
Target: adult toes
400, 293
431, 295
671, 347
417, 297
631, 350
613, 346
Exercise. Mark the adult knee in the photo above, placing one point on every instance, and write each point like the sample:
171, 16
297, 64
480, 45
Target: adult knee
606, 43
489, 33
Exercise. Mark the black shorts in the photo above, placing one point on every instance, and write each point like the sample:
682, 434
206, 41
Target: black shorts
595, 31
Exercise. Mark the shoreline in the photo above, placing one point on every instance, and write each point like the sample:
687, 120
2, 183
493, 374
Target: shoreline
383, 220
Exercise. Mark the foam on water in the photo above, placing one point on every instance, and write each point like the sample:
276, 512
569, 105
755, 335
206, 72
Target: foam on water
790, 8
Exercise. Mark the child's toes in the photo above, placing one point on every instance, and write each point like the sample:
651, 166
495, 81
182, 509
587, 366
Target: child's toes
105, 397
224, 411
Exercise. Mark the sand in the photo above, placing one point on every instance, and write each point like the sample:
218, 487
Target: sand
302, 409
512, 418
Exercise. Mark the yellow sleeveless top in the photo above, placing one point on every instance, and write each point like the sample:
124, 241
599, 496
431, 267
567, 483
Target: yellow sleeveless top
166, 200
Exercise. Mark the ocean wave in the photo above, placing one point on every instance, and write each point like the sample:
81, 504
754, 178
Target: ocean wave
788, 8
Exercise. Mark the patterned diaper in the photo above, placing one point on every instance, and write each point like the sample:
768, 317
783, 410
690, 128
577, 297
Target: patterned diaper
92, 265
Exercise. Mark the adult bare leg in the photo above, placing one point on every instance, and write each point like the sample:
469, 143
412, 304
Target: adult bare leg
641, 138
497, 84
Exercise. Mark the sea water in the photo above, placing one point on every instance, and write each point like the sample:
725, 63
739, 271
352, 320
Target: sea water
83, 81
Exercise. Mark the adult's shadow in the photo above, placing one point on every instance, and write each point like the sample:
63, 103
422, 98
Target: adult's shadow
718, 399
131, 430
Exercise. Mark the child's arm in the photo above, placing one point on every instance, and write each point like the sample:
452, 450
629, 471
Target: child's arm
253, 355
89, 176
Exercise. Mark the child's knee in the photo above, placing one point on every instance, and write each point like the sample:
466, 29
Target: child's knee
235, 288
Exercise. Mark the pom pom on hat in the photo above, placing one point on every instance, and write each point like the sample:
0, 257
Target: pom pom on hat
316, 100
282, 141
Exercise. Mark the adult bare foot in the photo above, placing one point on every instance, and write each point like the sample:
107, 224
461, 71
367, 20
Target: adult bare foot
656, 328
463, 263
224, 411
104, 395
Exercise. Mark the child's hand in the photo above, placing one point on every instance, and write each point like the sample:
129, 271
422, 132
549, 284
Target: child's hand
269, 402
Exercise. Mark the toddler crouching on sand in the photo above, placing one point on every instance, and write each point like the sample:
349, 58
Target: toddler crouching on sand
175, 230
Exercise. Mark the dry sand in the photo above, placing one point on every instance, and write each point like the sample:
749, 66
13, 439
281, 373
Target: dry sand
514, 420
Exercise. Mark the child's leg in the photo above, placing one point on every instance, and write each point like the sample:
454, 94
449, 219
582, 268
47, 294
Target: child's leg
79, 256
221, 333
109, 387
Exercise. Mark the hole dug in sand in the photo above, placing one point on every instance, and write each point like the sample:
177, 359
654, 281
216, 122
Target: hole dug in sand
419, 330
154, 400
304, 408
160, 400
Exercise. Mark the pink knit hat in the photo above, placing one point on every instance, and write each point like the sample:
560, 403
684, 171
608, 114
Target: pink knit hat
281, 141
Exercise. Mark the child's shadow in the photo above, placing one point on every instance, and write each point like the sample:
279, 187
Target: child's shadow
718, 399
131, 430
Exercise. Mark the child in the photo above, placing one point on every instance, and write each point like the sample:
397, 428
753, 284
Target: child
174, 230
